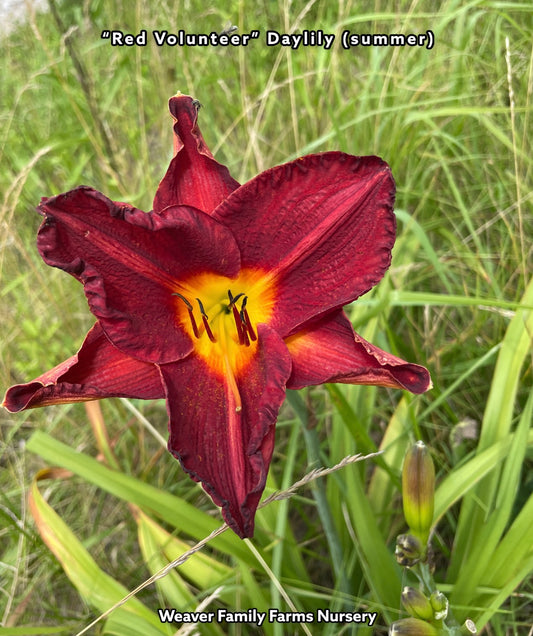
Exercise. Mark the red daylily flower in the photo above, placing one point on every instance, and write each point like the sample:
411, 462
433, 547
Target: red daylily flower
222, 297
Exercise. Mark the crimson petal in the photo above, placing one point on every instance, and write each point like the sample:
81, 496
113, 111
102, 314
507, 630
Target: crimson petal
131, 262
98, 370
194, 177
330, 351
223, 444
323, 225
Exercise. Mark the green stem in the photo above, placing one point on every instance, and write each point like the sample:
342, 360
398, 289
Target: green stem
319, 492
425, 576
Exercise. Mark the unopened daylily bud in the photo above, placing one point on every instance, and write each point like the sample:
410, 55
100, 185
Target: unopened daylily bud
418, 489
412, 627
417, 604
439, 603
408, 550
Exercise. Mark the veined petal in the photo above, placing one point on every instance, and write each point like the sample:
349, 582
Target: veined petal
323, 225
330, 351
222, 428
131, 264
194, 177
98, 370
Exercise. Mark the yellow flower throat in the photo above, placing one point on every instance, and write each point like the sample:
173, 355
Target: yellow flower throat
221, 315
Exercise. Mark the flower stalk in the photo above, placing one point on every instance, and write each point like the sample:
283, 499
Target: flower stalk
427, 606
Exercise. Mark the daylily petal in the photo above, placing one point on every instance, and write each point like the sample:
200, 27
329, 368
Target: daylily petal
194, 177
330, 351
323, 226
98, 370
131, 263
222, 428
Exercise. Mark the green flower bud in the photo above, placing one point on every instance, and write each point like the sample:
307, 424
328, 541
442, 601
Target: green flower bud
412, 627
418, 489
408, 550
439, 603
417, 604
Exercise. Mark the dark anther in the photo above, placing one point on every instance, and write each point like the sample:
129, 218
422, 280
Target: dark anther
233, 299
202, 310
189, 306
245, 331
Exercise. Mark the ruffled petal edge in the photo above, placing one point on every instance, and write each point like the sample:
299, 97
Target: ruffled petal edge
331, 351
98, 370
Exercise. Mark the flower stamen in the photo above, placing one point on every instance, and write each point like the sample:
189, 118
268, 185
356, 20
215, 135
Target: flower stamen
205, 320
245, 331
233, 299
191, 315
246, 320
241, 332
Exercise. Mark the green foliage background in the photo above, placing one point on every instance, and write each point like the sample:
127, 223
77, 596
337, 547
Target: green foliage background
454, 123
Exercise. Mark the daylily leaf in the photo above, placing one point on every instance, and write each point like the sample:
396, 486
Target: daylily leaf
201, 569
174, 510
159, 548
95, 586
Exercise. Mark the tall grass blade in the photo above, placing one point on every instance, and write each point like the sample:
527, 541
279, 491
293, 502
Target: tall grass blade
98, 588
